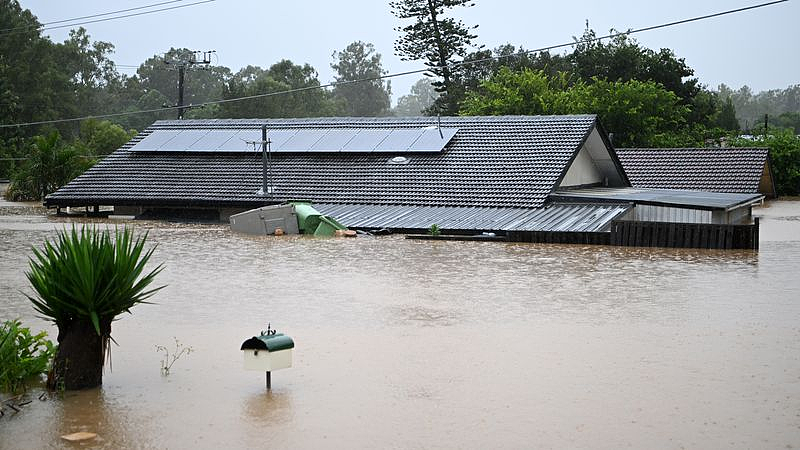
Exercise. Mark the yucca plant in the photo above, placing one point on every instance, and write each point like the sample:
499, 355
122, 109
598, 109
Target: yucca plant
83, 280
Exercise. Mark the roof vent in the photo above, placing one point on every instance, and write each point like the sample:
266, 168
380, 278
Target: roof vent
399, 160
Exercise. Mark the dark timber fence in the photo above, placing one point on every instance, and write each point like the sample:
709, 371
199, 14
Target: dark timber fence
684, 235
559, 237
653, 234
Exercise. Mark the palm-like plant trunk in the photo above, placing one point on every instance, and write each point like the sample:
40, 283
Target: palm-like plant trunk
82, 281
78, 363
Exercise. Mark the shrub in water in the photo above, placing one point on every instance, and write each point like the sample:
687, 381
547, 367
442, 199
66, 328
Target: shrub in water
23, 356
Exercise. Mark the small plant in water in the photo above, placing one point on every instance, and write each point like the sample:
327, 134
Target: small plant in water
171, 357
24, 356
434, 230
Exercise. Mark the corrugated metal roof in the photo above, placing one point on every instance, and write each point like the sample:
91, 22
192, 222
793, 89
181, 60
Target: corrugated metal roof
666, 197
574, 217
728, 169
500, 161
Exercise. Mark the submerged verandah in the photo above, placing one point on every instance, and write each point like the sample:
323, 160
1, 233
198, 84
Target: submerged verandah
627, 217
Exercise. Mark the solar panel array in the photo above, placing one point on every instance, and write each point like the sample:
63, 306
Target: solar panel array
320, 140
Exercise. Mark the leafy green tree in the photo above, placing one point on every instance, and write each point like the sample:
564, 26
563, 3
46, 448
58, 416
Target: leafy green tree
34, 86
438, 40
481, 65
619, 59
82, 281
525, 92
726, 119
11, 155
359, 61
624, 59
283, 76
92, 73
41, 80
419, 100
784, 151
143, 100
788, 120
636, 112
102, 137
51, 164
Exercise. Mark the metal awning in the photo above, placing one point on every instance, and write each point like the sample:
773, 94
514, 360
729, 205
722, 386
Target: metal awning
660, 197
567, 217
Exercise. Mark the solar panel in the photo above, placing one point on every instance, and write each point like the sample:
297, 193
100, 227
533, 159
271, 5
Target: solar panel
302, 141
398, 140
213, 140
366, 140
307, 140
431, 140
279, 137
183, 140
334, 140
155, 140
239, 139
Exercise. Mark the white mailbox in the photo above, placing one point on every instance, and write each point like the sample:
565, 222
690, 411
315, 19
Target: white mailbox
268, 352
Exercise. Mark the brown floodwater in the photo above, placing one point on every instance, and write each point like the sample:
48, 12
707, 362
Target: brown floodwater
417, 344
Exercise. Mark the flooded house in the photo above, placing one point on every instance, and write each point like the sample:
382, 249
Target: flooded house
527, 178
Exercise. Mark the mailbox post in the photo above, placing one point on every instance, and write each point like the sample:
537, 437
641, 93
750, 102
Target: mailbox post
267, 352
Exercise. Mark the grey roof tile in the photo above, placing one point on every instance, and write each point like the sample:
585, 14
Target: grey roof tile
728, 169
498, 161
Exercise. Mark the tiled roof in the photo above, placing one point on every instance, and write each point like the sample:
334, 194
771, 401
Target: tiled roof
501, 161
563, 217
704, 169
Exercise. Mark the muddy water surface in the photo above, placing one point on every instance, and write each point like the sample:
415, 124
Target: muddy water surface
410, 344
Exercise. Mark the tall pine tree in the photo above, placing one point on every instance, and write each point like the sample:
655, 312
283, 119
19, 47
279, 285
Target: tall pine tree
439, 40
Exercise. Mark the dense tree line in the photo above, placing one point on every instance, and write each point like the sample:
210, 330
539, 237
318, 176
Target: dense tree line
781, 105
643, 97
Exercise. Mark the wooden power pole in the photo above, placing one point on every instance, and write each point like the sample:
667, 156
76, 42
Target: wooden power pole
182, 65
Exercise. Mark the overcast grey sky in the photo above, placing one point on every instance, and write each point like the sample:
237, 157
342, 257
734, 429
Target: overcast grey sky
758, 48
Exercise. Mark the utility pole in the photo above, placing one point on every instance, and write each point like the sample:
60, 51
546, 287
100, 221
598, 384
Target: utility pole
266, 167
181, 65
181, 74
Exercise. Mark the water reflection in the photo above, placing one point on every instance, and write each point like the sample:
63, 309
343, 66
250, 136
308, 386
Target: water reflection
268, 408
90, 411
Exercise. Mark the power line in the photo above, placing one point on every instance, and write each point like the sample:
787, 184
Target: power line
409, 72
112, 18
29, 27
